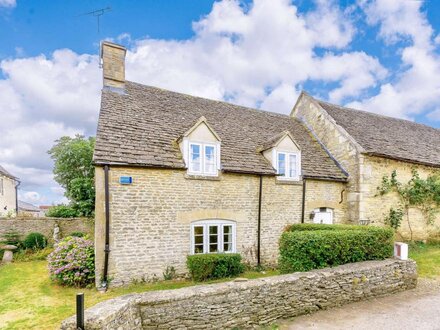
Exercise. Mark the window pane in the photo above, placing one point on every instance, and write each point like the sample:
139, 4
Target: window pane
213, 230
227, 238
198, 230
213, 239
198, 239
282, 164
292, 166
195, 158
227, 233
227, 247
209, 159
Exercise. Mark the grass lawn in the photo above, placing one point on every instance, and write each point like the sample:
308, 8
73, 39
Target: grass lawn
29, 300
427, 257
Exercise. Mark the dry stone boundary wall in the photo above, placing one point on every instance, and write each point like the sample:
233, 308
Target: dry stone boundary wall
251, 303
46, 226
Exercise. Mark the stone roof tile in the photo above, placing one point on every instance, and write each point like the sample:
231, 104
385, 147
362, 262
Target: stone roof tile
141, 126
389, 137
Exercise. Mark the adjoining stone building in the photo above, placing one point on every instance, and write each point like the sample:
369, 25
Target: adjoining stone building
178, 175
369, 146
8, 193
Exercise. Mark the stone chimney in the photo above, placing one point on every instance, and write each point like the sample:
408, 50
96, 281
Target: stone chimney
113, 65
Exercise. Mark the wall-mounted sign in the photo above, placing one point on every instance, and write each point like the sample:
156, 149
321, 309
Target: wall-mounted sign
125, 180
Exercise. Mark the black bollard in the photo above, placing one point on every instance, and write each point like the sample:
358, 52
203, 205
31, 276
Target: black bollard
80, 311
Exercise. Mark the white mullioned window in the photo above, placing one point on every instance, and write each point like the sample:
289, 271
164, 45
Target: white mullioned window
213, 236
203, 158
288, 165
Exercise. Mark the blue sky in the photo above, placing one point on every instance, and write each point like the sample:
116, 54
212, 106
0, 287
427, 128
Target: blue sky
377, 55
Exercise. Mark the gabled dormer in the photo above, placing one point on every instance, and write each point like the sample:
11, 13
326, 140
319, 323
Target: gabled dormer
285, 156
200, 147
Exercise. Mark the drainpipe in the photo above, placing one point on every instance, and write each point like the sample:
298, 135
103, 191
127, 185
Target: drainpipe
303, 201
260, 194
16, 197
107, 227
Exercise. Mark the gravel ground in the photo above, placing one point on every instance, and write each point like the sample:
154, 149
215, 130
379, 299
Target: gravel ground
413, 309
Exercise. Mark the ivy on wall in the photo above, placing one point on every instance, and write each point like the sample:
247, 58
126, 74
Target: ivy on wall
418, 193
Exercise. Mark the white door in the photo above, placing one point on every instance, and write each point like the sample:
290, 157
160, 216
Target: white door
323, 215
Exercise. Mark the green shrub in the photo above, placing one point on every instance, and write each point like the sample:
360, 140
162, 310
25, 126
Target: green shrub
318, 226
73, 262
303, 250
62, 211
35, 241
11, 238
77, 234
203, 267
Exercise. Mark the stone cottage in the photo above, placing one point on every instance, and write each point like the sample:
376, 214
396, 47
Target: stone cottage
179, 175
8, 193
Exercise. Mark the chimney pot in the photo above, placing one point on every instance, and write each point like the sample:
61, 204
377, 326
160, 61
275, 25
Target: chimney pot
113, 65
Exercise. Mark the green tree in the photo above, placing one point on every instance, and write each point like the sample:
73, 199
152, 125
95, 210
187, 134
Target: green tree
74, 171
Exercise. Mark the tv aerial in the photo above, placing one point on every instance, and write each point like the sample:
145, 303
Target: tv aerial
97, 13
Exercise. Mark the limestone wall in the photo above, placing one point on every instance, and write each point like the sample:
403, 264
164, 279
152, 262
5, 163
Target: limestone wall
340, 145
375, 208
252, 303
151, 218
45, 226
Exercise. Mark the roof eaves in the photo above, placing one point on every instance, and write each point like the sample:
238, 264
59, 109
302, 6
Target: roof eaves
402, 159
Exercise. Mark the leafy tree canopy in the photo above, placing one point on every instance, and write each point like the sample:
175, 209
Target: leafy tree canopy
74, 171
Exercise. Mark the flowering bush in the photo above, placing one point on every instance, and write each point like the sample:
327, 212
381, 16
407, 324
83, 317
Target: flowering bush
73, 262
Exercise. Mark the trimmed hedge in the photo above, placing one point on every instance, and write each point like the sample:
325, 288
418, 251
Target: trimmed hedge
304, 250
204, 267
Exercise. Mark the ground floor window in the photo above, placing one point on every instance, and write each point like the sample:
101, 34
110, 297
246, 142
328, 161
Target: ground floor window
212, 236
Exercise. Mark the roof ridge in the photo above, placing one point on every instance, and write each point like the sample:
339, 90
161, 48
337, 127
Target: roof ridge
376, 114
211, 100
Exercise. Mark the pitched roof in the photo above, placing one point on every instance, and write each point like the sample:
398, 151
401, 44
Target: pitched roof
6, 173
389, 137
141, 126
23, 206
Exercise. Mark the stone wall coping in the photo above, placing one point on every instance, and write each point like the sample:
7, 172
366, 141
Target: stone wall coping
110, 309
43, 219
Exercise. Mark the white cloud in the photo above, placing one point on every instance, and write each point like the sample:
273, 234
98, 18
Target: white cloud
8, 3
239, 53
416, 87
41, 99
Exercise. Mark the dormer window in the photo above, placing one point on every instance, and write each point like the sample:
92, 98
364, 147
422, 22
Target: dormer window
200, 147
285, 156
202, 158
288, 165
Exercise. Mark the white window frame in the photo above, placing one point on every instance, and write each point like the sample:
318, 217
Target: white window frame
287, 176
220, 235
203, 166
